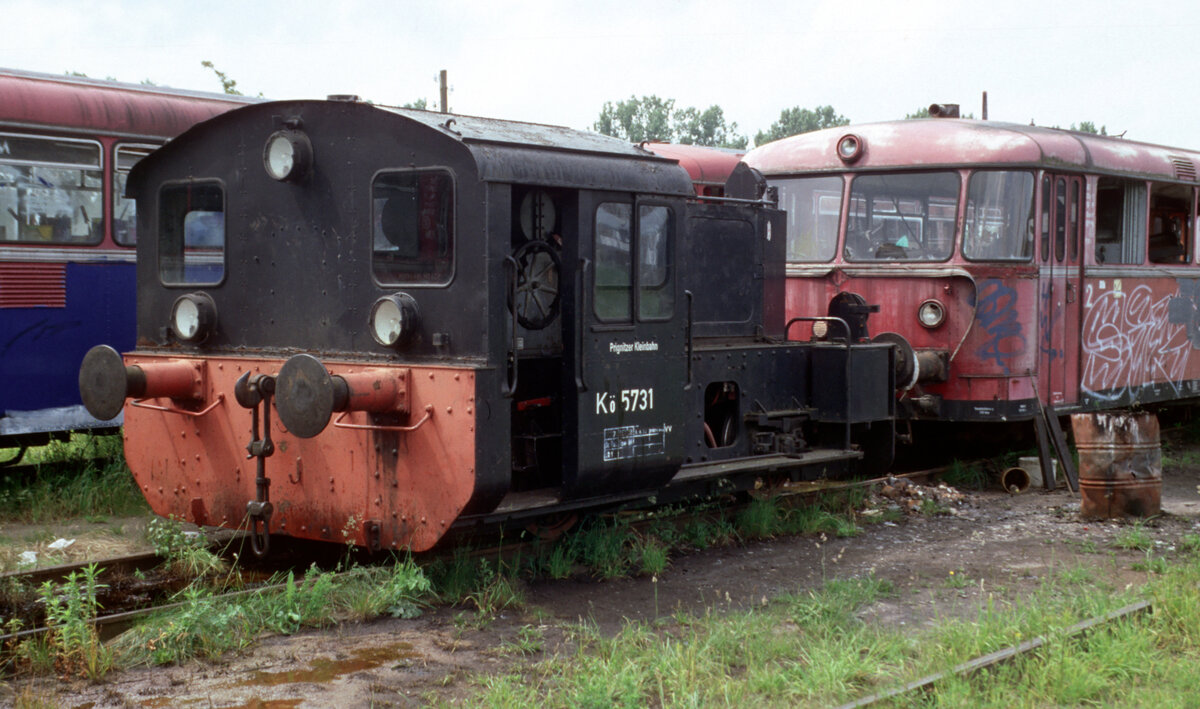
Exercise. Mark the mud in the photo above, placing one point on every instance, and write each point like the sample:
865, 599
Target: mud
943, 565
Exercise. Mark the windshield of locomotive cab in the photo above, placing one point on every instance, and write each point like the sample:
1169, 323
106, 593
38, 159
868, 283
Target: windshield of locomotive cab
51, 190
814, 208
999, 219
902, 217
413, 216
191, 233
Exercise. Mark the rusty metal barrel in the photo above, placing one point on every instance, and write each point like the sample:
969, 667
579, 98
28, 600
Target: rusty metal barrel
1120, 464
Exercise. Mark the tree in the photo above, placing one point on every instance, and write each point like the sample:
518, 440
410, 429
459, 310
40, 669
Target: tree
420, 104
793, 121
694, 127
655, 119
923, 112
1089, 127
229, 85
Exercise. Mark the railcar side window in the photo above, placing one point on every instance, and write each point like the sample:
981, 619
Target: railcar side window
124, 213
814, 210
191, 233
902, 217
614, 262
999, 218
414, 227
1120, 221
51, 190
1170, 221
656, 296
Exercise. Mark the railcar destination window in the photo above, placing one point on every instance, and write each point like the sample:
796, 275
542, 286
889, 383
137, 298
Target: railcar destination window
191, 233
999, 219
902, 217
413, 216
51, 190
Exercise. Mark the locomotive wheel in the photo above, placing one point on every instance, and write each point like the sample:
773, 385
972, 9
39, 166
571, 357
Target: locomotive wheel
551, 528
537, 296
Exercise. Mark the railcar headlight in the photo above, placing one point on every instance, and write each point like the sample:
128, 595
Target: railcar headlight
287, 156
931, 314
849, 148
193, 317
393, 319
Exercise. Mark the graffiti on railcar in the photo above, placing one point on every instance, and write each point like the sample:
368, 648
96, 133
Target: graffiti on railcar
996, 310
1132, 338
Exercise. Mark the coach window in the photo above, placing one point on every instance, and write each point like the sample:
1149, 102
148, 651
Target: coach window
814, 210
191, 233
124, 213
413, 217
1120, 221
902, 217
1170, 223
51, 190
999, 216
614, 262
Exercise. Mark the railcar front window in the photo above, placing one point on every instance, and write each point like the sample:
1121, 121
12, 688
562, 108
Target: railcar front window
999, 216
191, 234
124, 215
814, 209
51, 190
413, 227
902, 217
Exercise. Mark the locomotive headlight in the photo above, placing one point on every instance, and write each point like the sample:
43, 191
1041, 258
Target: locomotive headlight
193, 317
931, 314
820, 329
393, 319
287, 156
849, 148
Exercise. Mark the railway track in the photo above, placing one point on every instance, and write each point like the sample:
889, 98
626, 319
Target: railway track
136, 586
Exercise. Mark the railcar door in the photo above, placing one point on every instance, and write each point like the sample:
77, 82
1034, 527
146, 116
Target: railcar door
1058, 288
626, 348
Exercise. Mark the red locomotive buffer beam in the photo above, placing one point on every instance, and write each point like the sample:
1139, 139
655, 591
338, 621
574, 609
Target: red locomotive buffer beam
105, 382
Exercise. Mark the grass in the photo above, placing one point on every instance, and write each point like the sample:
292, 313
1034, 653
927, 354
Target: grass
96, 484
813, 649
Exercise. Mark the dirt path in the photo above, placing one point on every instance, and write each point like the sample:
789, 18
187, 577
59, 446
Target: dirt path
941, 565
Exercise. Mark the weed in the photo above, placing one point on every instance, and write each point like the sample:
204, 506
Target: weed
94, 487
496, 591
1135, 537
1151, 564
957, 579
1190, 543
650, 555
185, 552
70, 608
602, 547
931, 508
398, 592
761, 519
529, 641
963, 475
561, 561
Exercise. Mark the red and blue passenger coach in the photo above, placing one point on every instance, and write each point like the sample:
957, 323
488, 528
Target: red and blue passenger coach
411, 320
67, 233
1010, 264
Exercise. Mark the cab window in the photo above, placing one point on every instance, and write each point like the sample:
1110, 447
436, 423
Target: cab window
999, 216
814, 210
191, 233
413, 217
622, 232
51, 190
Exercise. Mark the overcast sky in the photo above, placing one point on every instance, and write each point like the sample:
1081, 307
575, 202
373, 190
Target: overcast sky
1130, 66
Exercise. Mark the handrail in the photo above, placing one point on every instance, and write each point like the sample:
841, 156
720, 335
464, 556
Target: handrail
392, 429
141, 403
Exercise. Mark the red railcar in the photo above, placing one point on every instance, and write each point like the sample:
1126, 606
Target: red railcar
67, 233
708, 167
1015, 266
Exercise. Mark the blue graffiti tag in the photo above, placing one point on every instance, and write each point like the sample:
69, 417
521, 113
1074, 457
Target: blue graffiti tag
997, 315
1184, 309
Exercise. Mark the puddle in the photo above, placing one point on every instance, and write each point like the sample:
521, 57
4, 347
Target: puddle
323, 669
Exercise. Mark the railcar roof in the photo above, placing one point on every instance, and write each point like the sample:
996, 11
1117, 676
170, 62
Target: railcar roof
80, 104
938, 142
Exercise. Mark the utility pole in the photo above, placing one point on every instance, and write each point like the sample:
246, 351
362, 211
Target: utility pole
445, 92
